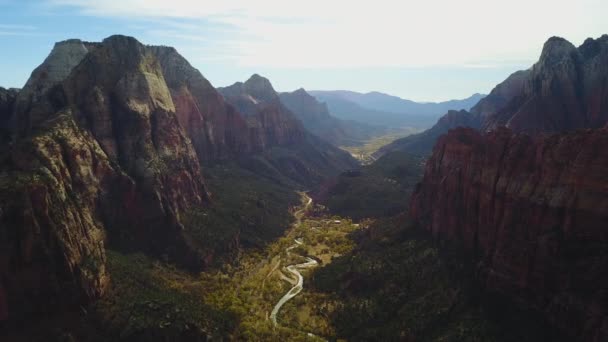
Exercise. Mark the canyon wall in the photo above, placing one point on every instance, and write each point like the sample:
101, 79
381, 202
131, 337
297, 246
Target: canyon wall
534, 212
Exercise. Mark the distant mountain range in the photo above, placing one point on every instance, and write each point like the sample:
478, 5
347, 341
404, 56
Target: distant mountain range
317, 118
564, 91
388, 110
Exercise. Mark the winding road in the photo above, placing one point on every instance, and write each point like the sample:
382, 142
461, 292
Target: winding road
293, 269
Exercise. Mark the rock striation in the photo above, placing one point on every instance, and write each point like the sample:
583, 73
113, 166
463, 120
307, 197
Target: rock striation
98, 157
270, 122
528, 199
107, 142
292, 150
565, 90
533, 212
216, 129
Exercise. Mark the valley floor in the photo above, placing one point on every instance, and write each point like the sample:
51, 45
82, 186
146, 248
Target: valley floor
261, 279
364, 151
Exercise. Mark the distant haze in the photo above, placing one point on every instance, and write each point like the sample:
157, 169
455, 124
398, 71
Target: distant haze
422, 50
388, 110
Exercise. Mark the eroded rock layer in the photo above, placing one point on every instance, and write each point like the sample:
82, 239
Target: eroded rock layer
534, 212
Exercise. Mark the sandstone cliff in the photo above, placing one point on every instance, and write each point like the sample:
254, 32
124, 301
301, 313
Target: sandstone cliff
216, 129
291, 150
533, 211
7, 105
98, 155
270, 123
107, 141
565, 90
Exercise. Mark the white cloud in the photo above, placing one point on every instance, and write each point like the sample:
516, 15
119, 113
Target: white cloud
338, 33
17, 27
18, 30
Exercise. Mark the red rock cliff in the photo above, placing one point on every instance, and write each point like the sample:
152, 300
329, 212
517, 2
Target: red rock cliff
98, 154
534, 211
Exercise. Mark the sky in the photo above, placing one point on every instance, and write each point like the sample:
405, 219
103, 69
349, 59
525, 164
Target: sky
431, 50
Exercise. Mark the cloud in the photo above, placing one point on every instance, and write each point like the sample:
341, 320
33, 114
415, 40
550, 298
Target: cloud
18, 30
17, 27
341, 34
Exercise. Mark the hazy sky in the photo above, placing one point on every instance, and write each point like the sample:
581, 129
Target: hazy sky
420, 50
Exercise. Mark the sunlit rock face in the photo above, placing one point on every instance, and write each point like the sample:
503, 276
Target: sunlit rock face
98, 157
103, 147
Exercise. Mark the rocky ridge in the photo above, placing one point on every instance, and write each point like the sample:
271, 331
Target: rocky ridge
98, 157
107, 144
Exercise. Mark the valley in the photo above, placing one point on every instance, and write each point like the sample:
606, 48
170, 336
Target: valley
364, 151
139, 202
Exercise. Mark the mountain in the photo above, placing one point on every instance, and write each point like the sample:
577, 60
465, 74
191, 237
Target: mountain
422, 143
394, 104
532, 212
310, 159
110, 142
383, 109
501, 95
317, 119
527, 202
564, 90
7, 104
271, 122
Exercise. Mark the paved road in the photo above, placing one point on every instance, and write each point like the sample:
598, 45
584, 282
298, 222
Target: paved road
293, 269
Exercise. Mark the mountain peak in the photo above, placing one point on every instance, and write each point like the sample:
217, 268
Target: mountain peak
258, 81
592, 47
260, 88
67, 42
120, 38
64, 57
556, 49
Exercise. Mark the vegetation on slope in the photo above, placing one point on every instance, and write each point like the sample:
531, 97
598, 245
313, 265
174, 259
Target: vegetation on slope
377, 190
396, 286
364, 150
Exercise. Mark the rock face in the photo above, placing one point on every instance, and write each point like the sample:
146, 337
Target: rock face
106, 146
270, 123
565, 90
7, 106
316, 118
289, 147
216, 129
99, 155
533, 211
500, 96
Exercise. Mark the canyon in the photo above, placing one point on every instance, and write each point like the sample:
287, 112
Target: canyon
139, 198
525, 197
107, 145
533, 212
